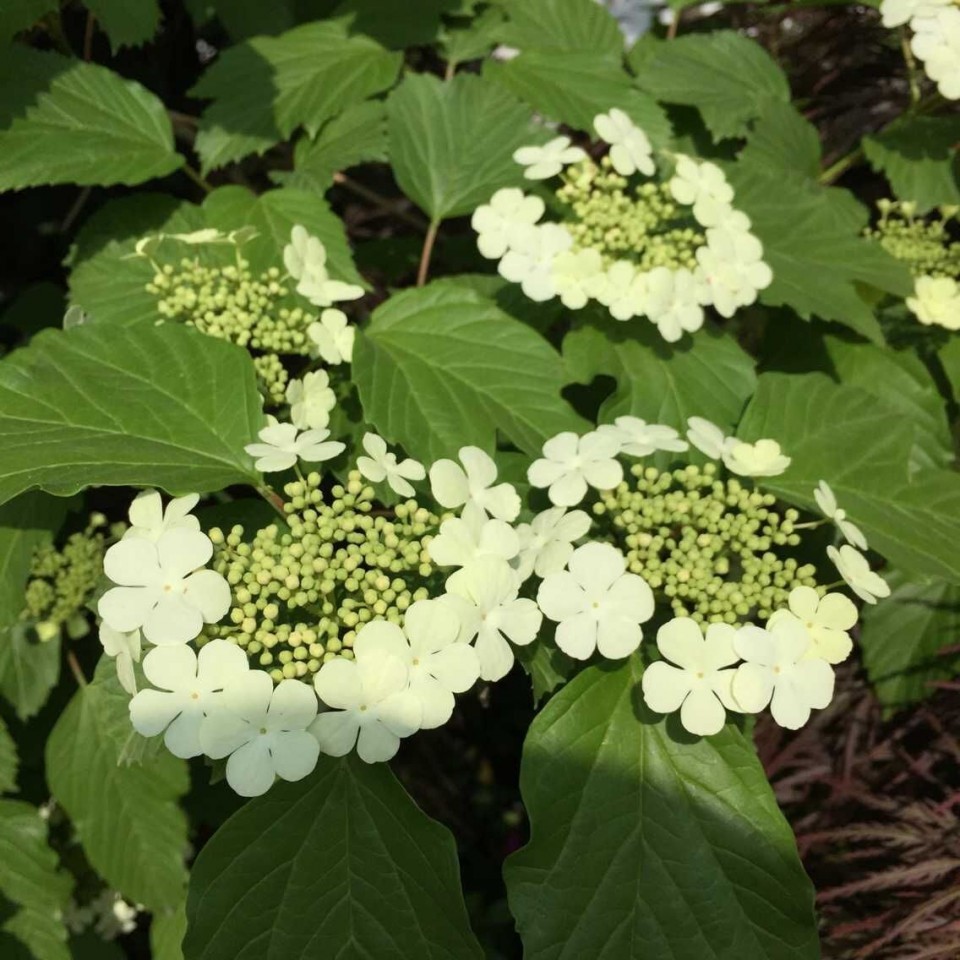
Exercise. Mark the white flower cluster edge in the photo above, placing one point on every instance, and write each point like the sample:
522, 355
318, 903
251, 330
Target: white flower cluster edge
935, 25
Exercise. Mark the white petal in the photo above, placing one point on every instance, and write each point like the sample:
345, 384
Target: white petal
560, 596
752, 686
449, 484
568, 491
146, 510
502, 502
681, 641
496, 655
338, 684
132, 563
250, 768
293, 706
814, 681
400, 713
664, 687
520, 620
787, 708
126, 608
152, 711
182, 551
219, 662
295, 753
376, 744
210, 593
618, 637
457, 667
182, 737
172, 621
336, 731
577, 636
436, 702
171, 668
702, 713
596, 567
430, 625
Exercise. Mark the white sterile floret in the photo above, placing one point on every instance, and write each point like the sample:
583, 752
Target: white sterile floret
500, 224
311, 401
283, 444
630, 149
124, 647
546, 543
162, 589
263, 731
896, 13
453, 485
548, 160
673, 302
439, 666
331, 337
484, 594
936, 41
827, 503
778, 672
530, 261
190, 687
382, 464
761, 459
640, 439
732, 270
473, 534
574, 272
570, 463
936, 301
854, 567
699, 685
371, 707
708, 438
622, 289
149, 519
597, 605
305, 258
702, 185
826, 620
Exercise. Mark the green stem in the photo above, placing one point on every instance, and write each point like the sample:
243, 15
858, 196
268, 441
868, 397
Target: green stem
836, 170
197, 179
274, 499
911, 66
428, 241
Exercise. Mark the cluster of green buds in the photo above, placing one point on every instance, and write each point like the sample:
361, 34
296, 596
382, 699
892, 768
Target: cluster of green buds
644, 224
924, 244
714, 547
230, 303
62, 580
302, 588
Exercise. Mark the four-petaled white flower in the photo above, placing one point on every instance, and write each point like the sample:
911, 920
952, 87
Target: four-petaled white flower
331, 337
936, 300
382, 465
708, 438
490, 612
596, 604
548, 160
826, 620
530, 261
125, 648
630, 149
673, 302
896, 13
473, 534
827, 503
546, 543
731, 269
282, 445
149, 520
311, 401
453, 485
372, 707
761, 459
778, 672
500, 224
640, 439
936, 41
263, 731
574, 272
699, 685
622, 289
702, 185
571, 462
162, 589
305, 258
854, 567
190, 687
438, 665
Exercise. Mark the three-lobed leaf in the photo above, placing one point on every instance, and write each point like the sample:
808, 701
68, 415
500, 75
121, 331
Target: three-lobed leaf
340, 864
643, 845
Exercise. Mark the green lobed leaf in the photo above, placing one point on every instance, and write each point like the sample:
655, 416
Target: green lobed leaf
811, 232
358, 135
29, 669
128, 23
904, 636
643, 845
66, 121
577, 85
705, 375
161, 406
919, 157
441, 366
726, 76
340, 864
264, 88
437, 157
474, 39
949, 356
861, 446
167, 930
31, 878
782, 139
17, 15
561, 25
9, 762
126, 816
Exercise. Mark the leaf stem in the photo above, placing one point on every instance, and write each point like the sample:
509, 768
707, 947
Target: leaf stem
427, 252
911, 66
75, 669
274, 499
388, 205
838, 169
674, 25
88, 36
197, 179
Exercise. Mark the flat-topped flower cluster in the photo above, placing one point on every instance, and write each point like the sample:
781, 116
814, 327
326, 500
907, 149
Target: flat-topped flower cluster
349, 625
640, 246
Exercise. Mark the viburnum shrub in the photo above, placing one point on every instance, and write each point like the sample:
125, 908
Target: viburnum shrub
436, 383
